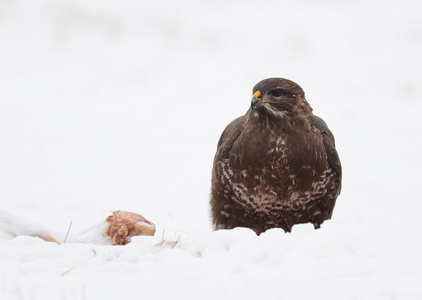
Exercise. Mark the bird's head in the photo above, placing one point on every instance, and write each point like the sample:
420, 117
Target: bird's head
279, 96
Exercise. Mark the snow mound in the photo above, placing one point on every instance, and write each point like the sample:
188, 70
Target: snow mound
12, 226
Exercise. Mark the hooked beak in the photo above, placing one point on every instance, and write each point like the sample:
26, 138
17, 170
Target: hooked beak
256, 99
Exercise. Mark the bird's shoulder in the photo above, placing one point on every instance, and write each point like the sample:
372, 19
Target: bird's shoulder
328, 141
230, 134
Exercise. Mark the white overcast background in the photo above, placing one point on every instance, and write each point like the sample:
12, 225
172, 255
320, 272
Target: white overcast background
109, 105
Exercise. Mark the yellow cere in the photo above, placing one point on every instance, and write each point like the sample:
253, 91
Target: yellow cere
257, 95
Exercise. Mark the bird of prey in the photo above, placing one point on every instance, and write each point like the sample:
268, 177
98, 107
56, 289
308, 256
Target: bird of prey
277, 165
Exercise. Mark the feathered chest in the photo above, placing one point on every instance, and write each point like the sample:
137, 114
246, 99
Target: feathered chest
281, 159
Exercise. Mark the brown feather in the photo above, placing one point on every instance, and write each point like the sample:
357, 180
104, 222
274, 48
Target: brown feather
276, 166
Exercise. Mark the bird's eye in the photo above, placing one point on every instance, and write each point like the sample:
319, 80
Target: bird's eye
277, 93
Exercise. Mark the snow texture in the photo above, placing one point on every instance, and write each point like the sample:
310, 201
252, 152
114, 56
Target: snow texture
119, 106
12, 226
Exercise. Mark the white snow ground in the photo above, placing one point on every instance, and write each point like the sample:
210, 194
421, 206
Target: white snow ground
110, 105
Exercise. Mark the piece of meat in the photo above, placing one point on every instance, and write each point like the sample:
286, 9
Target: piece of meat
124, 225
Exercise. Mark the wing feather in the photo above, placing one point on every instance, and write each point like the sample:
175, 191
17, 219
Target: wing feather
221, 194
228, 137
330, 147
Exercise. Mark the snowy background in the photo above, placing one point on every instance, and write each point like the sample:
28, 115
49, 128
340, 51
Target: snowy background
109, 105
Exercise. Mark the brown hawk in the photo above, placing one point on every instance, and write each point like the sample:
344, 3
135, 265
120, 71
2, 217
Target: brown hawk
277, 165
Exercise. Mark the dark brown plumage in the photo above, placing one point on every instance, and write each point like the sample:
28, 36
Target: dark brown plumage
277, 165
